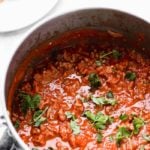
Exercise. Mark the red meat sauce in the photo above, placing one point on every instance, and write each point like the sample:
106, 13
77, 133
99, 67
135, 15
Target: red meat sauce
66, 92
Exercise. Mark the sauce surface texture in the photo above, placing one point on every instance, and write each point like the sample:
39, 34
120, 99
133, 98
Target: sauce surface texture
93, 95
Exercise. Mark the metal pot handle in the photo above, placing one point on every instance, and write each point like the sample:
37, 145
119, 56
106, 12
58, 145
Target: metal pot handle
6, 140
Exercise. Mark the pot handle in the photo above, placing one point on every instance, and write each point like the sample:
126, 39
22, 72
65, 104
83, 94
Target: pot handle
6, 139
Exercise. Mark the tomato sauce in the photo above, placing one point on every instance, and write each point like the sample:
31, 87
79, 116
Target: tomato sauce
92, 94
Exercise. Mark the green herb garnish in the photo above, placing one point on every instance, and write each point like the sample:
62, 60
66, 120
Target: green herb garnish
122, 133
94, 80
109, 94
123, 117
29, 102
38, 118
70, 115
146, 137
17, 123
99, 137
116, 54
75, 127
131, 76
137, 123
103, 101
100, 120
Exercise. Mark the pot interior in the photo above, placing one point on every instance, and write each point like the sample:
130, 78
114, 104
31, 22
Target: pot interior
136, 31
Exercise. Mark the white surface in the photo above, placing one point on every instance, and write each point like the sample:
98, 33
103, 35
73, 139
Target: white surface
9, 41
16, 14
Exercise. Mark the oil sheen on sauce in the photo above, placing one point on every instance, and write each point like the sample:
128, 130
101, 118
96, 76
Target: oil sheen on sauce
92, 72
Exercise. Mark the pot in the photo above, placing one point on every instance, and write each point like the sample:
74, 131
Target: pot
105, 19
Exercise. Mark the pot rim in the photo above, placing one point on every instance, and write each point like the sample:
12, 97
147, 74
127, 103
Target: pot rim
25, 37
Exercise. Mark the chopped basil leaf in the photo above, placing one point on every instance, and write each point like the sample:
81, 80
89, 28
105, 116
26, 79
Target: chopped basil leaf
123, 117
26, 102
116, 54
109, 94
104, 55
94, 80
100, 120
99, 137
103, 101
98, 100
131, 76
38, 118
75, 128
90, 115
146, 137
137, 123
122, 133
70, 115
17, 123
35, 101
99, 125
98, 63
39, 121
29, 102
103, 119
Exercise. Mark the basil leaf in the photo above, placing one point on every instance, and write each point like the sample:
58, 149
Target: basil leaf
38, 118
99, 125
29, 102
94, 80
75, 128
90, 115
17, 123
105, 54
37, 115
26, 102
131, 76
99, 137
137, 123
98, 100
100, 120
123, 117
122, 133
39, 121
109, 94
35, 101
103, 101
116, 54
146, 137
70, 115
